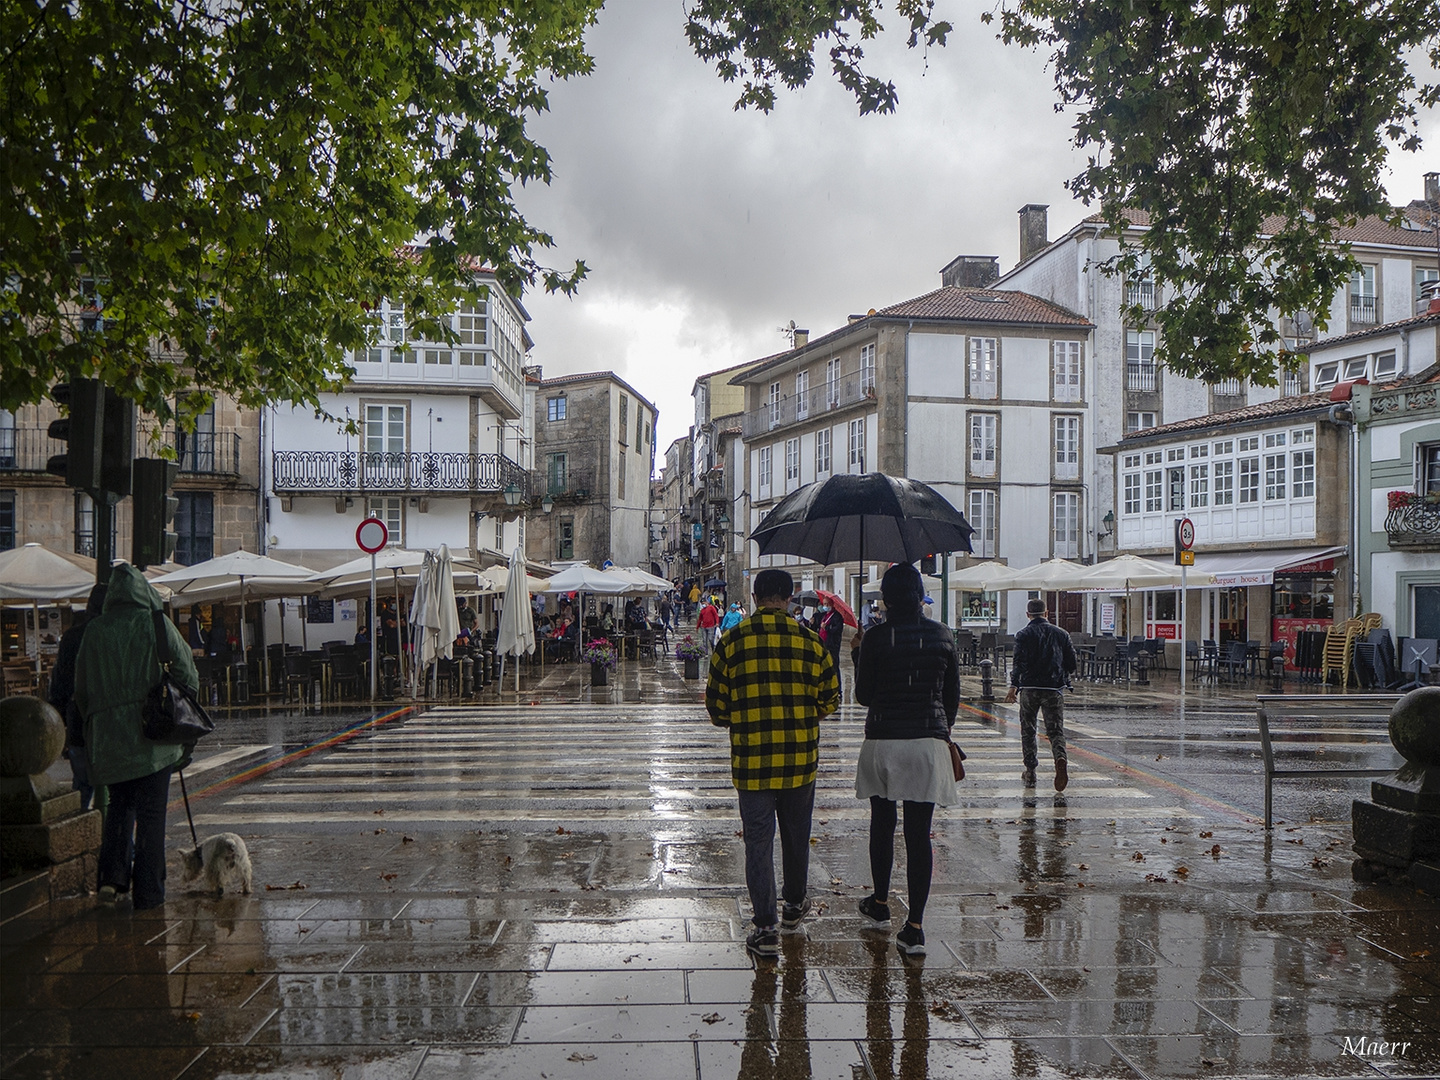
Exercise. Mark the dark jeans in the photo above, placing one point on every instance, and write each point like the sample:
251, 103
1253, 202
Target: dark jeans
1052, 703
759, 811
80, 774
919, 857
135, 832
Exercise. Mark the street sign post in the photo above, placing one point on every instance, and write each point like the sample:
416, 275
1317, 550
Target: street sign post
1184, 558
371, 536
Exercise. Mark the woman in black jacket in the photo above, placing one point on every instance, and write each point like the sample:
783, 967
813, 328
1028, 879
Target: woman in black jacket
908, 673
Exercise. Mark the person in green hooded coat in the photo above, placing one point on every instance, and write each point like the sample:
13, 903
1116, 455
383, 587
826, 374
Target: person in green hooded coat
117, 668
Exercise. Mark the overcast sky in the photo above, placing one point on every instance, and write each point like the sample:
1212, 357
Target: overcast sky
706, 229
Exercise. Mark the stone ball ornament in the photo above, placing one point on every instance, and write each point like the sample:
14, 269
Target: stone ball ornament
32, 735
1415, 726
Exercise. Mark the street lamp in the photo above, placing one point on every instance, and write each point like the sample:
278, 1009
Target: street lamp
547, 504
512, 494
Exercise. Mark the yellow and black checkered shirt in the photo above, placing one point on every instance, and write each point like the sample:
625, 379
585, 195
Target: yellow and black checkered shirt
771, 680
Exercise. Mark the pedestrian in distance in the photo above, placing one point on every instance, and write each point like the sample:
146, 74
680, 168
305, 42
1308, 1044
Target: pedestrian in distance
116, 669
907, 674
666, 612
1044, 660
831, 625
694, 598
732, 618
708, 623
771, 682
62, 695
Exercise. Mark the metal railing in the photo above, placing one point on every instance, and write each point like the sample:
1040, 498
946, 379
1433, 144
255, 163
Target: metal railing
575, 487
1227, 388
1362, 310
208, 453
1416, 526
332, 471
1140, 376
715, 487
26, 449
850, 390
1141, 293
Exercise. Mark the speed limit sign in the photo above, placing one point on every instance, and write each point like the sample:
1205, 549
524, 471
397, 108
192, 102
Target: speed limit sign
1184, 542
372, 535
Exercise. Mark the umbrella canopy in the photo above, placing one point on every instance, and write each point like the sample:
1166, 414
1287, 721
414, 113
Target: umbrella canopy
988, 576
1126, 572
496, 579
582, 577
808, 598
874, 516
840, 606
33, 572
396, 567
1052, 575
932, 585
516, 636
434, 617
647, 582
716, 583
224, 571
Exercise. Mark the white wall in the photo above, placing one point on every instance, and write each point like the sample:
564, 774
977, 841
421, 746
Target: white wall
937, 365
1025, 369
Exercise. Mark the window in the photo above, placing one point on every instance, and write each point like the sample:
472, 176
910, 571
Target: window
639, 431
620, 471
1199, 485
1154, 482
984, 376
1200, 451
384, 429
1386, 365
1067, 448
1224, 483
557, 473
1140, 360
565, 539
822, 451
867, 368
396, 322
499, 535
802, 395
196, 449
1355, 368
1327, 375
832, 382
772, 404
470, 330
857, 445
1132, 493
7, 520
555, 408
195, 527
1362, 295
1302, 474
1274, 477
1224, 446
1227, 388
1067, 525
1290, 384
983, 504
1138, 421
7, 439
1175, 478
1250, 480
766, 466
1067, 370
1140, 289
439, 357
624, 417
1425, 276
792, 460
1428, 480
391, 512
85, 527
982, 444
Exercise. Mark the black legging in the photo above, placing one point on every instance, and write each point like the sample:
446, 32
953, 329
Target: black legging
919, 859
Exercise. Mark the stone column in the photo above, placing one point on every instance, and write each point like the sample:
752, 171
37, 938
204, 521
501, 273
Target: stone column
1397, 830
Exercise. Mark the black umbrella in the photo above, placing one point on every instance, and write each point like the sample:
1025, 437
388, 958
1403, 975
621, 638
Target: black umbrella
716, 583
808, 598
851, 518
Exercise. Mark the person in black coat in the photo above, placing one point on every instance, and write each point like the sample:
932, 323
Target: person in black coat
1044, 660
62, 696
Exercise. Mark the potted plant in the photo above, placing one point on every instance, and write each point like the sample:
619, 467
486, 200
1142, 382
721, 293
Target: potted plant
1397, 500
599, 653
691, 652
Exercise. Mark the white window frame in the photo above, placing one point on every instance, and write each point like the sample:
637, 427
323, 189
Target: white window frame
772, 404
1327, 374
984, 445
856, 438
1065, 524
1276, 472
823, 458
1223, 483
1066, 368
766, 467
832, 382
867, 367
391, 510
1200, 485
1132, 497
1302, 473
1065, 440
984, 504
1139, 420
802, 394
792, 460
984, 368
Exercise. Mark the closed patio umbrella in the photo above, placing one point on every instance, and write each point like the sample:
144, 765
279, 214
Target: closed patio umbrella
516, 636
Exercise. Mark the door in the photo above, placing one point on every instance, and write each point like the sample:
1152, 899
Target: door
384, 457
1427, 611
1231, 624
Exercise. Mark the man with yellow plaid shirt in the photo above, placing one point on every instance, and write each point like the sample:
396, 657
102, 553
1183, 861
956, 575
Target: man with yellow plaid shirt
771, 680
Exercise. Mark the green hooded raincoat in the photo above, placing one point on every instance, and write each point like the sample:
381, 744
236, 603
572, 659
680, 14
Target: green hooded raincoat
116, 670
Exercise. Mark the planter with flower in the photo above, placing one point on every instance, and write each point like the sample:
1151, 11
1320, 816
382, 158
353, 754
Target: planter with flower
599, 653
1413, 520
691, 652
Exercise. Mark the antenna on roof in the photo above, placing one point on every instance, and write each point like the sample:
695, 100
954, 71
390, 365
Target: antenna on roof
789, 332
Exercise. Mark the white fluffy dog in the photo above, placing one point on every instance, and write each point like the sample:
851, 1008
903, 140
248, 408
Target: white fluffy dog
220, 860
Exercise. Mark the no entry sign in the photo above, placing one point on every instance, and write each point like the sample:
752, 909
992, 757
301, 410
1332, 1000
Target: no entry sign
372, 535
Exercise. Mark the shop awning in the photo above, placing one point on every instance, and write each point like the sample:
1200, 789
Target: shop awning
1237, 569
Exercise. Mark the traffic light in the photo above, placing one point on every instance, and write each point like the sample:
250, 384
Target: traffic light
117, 443
82, 430
927, 565
154, 509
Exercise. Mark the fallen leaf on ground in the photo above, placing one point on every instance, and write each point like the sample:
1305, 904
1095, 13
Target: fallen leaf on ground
388, 877
1294, 840
281, 888
379, 831
1206, 835
712, 1018
1215, 850
1182, 871
1420, 954
1139, 856
1320, 862
1082, 866
381, 811
578, 1056
407, 839
560, 830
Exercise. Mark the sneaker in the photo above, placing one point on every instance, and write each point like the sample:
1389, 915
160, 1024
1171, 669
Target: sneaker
911, 940
1062, 776
1028, 776
791, 915
763, 941
875, 914
107, 895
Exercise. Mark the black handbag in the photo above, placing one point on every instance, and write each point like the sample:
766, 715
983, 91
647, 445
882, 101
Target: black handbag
171, 714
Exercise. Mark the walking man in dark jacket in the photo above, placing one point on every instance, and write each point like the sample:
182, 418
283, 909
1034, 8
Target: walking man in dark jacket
1044, 659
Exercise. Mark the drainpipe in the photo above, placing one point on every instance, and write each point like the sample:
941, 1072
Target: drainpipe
1404, 352
1342, 414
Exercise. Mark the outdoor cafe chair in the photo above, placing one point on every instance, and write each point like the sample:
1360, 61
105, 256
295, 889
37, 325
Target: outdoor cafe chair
1236, 659
1192, 656
298, 674
1105, 659
345, 672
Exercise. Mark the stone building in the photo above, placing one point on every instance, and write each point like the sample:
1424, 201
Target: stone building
714, 513
677, 480
594, 455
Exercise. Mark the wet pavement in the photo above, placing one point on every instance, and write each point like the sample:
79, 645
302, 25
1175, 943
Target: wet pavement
551, 884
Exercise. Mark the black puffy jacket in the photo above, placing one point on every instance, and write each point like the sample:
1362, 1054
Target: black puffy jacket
1043, 656
908, 673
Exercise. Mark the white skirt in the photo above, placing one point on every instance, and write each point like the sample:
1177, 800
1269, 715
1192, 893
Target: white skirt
905, 770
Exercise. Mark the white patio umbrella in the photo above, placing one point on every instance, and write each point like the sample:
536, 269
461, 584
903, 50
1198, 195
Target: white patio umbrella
496, 579
516, 636
645, 581
1052, 575
33, 572
241, 573
582, 577
435, 621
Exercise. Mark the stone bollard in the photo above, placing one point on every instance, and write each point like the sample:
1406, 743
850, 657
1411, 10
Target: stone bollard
467, 677
1397, 830
987, 680
1277, 674
41, 824
1142, 677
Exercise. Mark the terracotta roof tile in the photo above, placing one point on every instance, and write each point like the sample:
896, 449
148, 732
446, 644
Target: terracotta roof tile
985, 306
1368, 230
1264, 410
1375, 331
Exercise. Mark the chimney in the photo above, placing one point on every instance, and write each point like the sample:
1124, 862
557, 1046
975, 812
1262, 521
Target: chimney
802, 338
971, 271
1034, 229
1432, 188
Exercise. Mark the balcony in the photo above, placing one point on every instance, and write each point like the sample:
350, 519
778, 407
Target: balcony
26, 449
573, 487
1140, 376
854, 389
715, 486
1141, 293
207, 453
498, 383
1362, 310
1415, 527
334, 472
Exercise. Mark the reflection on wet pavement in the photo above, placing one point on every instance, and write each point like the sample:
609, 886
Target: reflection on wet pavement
557, 889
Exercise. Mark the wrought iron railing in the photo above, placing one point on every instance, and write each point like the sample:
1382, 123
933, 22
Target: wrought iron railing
299, 471
781, 412
1141, 293
209, 453
1139, 376
1362, 310
1414, 526
26, 449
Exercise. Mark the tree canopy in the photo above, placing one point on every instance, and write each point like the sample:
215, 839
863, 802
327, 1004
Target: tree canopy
230, 183
1246, 132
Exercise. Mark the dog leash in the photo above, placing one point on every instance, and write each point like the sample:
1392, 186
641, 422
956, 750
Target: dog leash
186, 796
